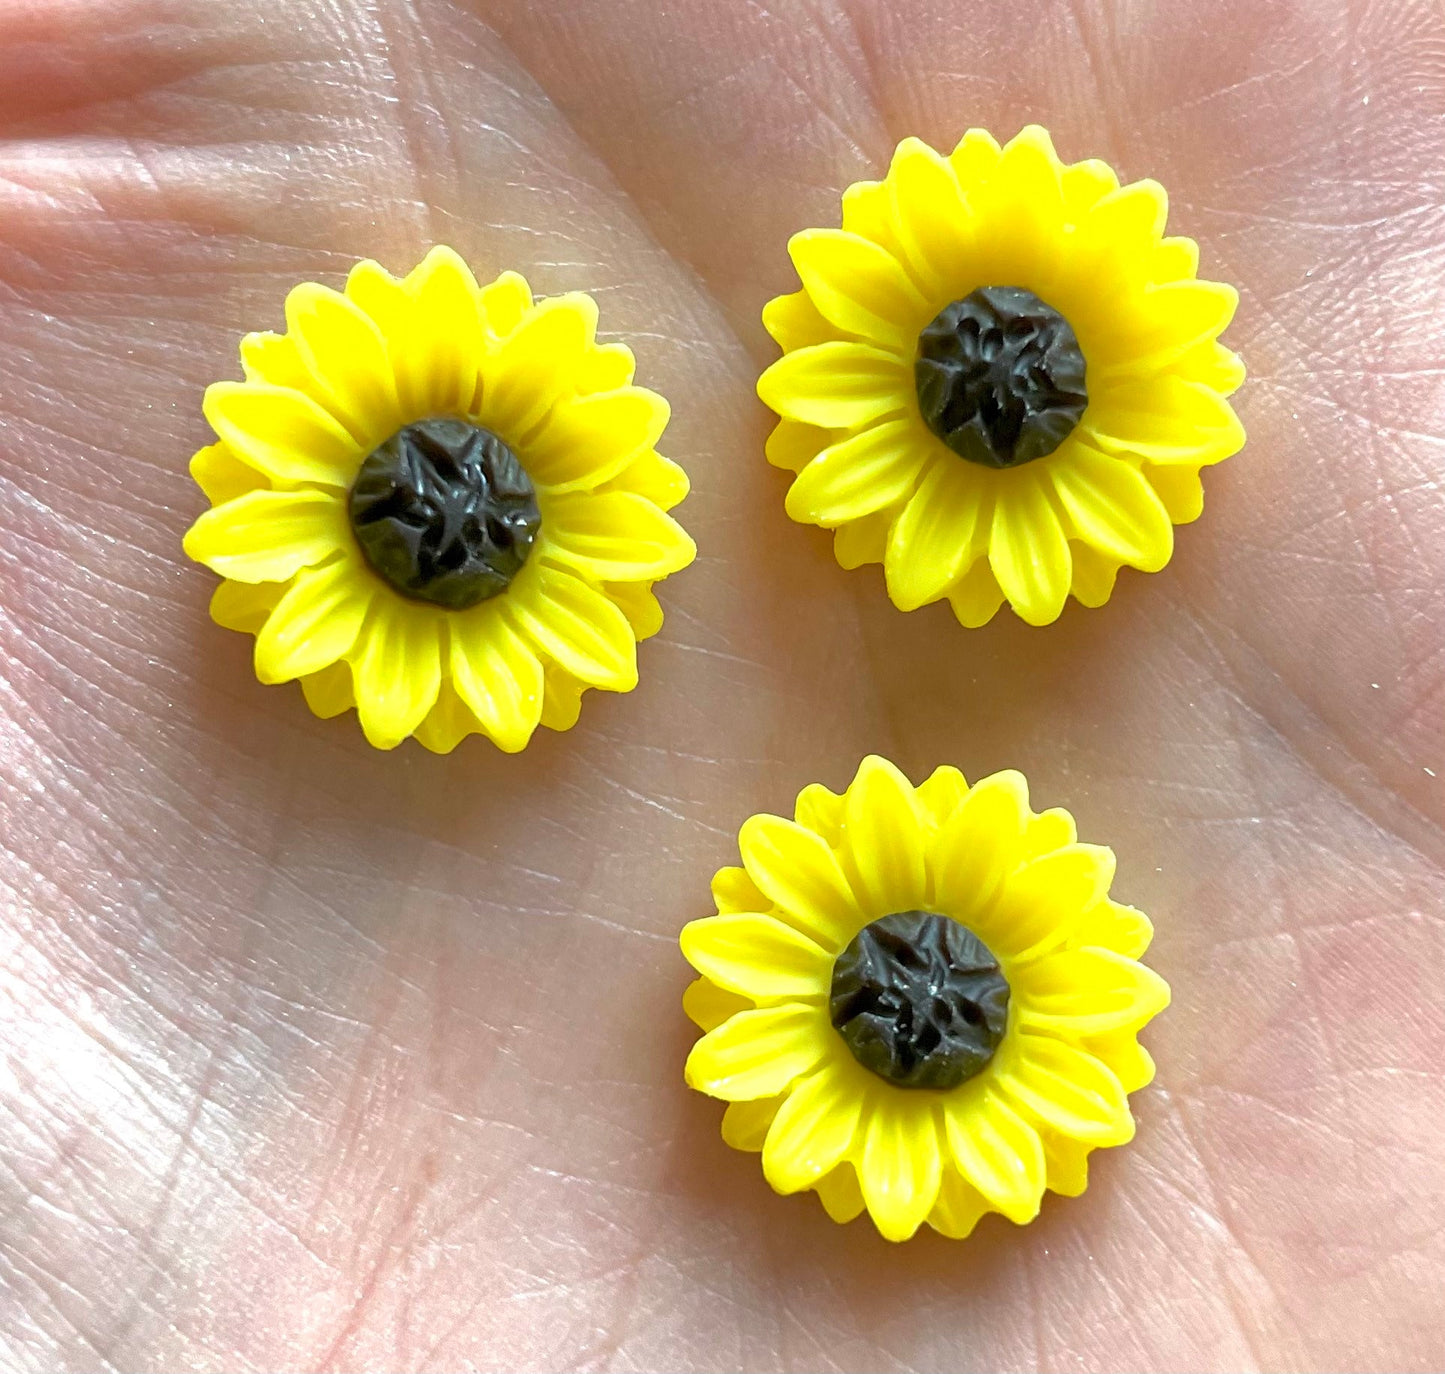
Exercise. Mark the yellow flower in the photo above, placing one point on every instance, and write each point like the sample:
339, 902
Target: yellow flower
921, 1001
1000, 379
439, 503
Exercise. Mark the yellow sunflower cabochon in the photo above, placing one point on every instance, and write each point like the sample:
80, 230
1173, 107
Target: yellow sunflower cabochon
1000, 380
439, 503
921, 1001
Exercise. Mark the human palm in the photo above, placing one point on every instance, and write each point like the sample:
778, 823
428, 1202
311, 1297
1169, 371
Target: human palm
319, 1057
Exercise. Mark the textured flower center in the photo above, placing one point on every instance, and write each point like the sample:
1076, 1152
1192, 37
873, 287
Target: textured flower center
920, 1000
1000, 377
444, 512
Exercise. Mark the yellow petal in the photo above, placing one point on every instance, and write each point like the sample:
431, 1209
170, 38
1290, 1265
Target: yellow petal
941, 793
976, 596
996, 1151
659, 479
448, 722
708, 1006
936, 536
1023, 213
1164, 324
1066, 1163
858, 286
520, 381
329, 692
978, 845
820, 811
268, 536
370, 286
561, 698
840, 1194
606, 367
1068, 1091
1043, 902
282, 433
883, 832
930, 216
1088, 992
577, 627
959, 1207
1175, 259
1084, 184
436, 346
745, 1124
497, 676
1028, 552
792, 446
614, 537
975, 159
1126, 224
274, 360
814, 1129
1124, 1057
1049, 830
795, 869
868, 212
837, 385
244, 606
863, 541
1094, 574
757, 957
858, 475
588, 441
758, 1053
222, 477
1179, 488
733, 890
1166, 420
315, 623
345, 353
1213, 365
902, 1164
504, 304
397, 669
1113, 509
795, 322
1111, 925
636, 601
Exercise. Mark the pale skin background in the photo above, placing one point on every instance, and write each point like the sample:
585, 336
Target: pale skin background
318, 1058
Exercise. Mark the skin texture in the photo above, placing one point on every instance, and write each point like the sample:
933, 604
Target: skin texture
313, 1057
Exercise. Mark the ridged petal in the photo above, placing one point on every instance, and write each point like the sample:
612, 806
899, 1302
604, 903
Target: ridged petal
244, 606
615, 537
370, 286
757, 956
498, 677
745, 1124
268, 536
942, 792
795, 322
222, 477
997, 1151
1121, 1053
1023, 209
976, 596
814, 1129
577, 627
860, 287
1179, 488
864, 540
1043, 902
436, 345
733, 890
650, 475
936, 535
523, 379
864, 473
837, 385
397, 669
820, 810
840, 1194
1094, 574
329, 692
959, 1208
315, 623
346, 355
1113, 509
930, 216
796, 869
758, 1053
792, 446
1069, 1091
1089, 992
504, 304
1166, 420
901, 1165
590, 440
1165, 323
883, 832
978, 845
708, 1005
1112, 925
1028, 551
282, 433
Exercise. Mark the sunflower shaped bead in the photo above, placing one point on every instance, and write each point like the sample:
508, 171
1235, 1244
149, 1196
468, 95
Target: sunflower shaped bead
1000, 379
439, 503
921, 1002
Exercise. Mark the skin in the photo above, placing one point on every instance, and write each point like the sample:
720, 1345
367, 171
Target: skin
313, 1057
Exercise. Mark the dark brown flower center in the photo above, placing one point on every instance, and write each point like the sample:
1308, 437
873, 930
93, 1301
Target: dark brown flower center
920, 1000
444, 512
1000, 377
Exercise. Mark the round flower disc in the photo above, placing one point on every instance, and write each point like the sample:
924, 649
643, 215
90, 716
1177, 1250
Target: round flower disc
921, 1002
1000, 379
439, 503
